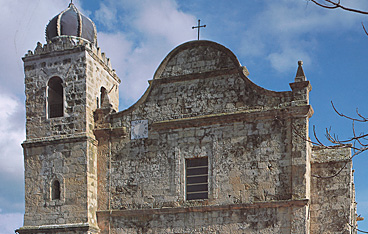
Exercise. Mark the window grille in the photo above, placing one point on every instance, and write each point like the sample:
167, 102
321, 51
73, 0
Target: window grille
197, 178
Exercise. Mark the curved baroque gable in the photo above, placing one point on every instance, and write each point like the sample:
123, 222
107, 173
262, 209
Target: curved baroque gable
196, 57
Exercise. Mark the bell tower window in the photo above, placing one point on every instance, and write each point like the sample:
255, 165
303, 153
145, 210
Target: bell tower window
55, 190
55, 98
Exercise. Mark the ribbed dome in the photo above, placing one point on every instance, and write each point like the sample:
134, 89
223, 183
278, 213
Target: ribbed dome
71, 22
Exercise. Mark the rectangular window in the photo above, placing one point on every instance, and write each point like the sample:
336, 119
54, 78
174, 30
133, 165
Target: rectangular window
197, 178
55, 97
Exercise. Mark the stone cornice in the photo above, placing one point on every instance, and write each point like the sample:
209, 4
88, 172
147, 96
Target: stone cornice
329, 154
194, 76
68, 45
175, 210
107, 132
53, 53
301, 85
245, 115
58, 228
57, 140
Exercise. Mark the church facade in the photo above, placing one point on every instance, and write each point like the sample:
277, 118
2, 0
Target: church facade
204, 150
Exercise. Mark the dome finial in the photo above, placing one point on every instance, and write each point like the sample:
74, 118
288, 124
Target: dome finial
71, 23
300, 76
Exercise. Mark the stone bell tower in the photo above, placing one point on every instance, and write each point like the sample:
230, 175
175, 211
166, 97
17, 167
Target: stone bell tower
66, 80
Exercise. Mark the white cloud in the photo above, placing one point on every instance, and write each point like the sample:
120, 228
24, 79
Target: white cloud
287, 59
25, 25
107, 16
12, 127
10, 222
154, 29
285, 31
296, 17
163, 19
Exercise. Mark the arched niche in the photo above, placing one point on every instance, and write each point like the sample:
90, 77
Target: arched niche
55, 190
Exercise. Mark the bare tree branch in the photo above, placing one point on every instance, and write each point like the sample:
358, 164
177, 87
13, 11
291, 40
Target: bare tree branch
315, 136
355, 228
363, 119
357, 111
324, 6
355, 143
335, 5
364, 29
336, 143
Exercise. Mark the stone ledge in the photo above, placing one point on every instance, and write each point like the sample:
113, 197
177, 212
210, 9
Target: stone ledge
46, 49
57, 139
255, 205
300, 85
107, 132
58, 228
339, 153
194, 76
246, 115
65, 45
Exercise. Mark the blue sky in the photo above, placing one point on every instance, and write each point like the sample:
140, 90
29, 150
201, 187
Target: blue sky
268, 37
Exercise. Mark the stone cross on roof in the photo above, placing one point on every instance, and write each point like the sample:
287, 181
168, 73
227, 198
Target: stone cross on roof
199, 27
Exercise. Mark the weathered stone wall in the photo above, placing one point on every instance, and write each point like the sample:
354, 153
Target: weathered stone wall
333, 207
193, 92
248, 162
64, 148
200, 105
83, 73
66, 162
265, 218
99, 76
38, 70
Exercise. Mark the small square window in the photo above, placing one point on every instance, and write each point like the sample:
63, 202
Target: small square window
197, 178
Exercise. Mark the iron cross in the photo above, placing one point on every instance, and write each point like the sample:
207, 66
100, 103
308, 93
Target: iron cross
199, 27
